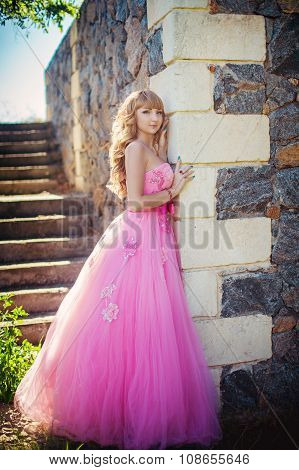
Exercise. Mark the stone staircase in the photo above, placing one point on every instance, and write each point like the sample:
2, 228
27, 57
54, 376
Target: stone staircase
46, 229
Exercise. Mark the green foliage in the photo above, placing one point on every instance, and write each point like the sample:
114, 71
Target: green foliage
15, 359
40, 12
67, 447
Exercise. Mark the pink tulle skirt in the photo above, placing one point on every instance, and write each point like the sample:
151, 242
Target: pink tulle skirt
122, 364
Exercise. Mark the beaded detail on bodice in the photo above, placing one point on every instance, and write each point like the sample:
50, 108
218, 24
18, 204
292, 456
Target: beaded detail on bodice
158, 178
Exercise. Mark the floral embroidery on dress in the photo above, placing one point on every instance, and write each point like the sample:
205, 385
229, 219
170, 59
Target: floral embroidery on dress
164, 222
158, 178
111, 312
164, 256
107, 291
130, 247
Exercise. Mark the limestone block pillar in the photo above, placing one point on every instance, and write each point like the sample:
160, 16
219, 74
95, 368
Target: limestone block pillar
194, 41
75, 105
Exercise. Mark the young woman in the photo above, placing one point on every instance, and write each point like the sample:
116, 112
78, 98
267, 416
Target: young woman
122, 364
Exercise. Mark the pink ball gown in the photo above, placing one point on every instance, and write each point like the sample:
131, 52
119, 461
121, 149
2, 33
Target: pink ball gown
122, 364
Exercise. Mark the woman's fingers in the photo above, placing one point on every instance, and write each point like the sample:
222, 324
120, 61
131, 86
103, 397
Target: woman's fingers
186, 170
178, 163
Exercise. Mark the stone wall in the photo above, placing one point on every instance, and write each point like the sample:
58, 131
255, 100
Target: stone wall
227, 74
231, 87
264, 191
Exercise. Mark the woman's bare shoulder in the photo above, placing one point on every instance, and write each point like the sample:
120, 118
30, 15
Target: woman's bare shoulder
135, 146
135, 153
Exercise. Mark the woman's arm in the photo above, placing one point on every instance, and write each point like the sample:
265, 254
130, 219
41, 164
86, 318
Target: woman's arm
135, 162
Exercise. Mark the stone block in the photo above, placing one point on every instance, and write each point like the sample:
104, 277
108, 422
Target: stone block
75, 85
207, 242
77, 137
214, 138
198, 197
157, 10
183, 86
73, 33
189, 34
201, 287
234, 340
244, 191
251, 293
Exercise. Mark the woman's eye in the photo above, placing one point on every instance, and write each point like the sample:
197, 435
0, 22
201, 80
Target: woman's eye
159, 112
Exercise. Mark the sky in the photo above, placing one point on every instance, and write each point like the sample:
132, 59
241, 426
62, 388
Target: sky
22, 63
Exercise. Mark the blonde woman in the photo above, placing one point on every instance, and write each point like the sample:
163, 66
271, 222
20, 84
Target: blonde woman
122, 364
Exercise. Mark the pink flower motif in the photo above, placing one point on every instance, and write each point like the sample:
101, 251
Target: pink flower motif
107, 291
110, 313
164, 256
130, 247
158, 178
164, 222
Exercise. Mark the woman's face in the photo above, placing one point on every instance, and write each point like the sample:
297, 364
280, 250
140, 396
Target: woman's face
149, 120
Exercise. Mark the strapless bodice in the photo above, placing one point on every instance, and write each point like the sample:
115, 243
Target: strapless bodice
158, 178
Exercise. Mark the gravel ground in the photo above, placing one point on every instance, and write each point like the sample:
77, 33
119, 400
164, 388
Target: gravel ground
16, 432
246, 431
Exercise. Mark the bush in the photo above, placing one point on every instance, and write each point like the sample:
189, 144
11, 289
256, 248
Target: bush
15, 359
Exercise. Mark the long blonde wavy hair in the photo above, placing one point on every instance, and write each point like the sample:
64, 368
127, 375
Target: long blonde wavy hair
124, 131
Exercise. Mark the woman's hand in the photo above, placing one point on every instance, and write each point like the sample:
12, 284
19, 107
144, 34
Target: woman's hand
162, 144
182, 174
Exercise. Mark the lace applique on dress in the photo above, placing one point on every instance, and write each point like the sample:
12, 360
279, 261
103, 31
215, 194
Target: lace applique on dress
157, 178
164, 221
163, 179
107, 291
130, 247
111, 312
164, 256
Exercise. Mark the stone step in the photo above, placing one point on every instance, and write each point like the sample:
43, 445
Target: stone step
27, 186
29, 172
45, 226
45, 299
27, 146
43, 273
29, 159
35, 327
27, 205
47, 249
22, 126
25, 135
